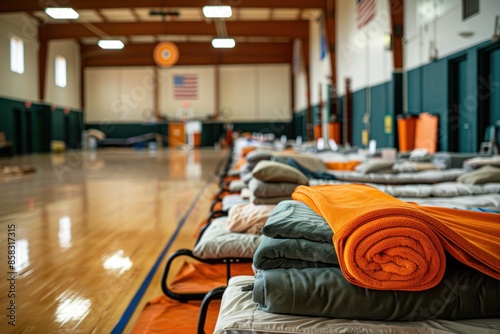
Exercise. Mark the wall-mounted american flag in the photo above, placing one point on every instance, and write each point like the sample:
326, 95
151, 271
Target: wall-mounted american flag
365, 11
185, 86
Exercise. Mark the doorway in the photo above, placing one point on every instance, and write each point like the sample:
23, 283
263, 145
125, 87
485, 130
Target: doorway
29, 131
460, 118
18, 132
488, 89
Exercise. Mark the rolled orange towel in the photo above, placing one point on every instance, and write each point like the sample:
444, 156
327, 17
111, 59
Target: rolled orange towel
384, 243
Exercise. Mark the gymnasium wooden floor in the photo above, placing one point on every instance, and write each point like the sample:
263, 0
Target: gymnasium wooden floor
88, 229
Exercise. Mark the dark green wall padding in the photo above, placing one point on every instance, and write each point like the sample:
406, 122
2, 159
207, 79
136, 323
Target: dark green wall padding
429, 91
31, 130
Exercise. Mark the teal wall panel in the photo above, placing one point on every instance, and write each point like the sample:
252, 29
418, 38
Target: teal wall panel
434, 97
299, 121
380, 107
316, 117
358, 112
494, 114
429, 87
414, 88
395, 108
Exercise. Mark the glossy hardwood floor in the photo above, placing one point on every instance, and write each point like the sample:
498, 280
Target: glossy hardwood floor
88, 228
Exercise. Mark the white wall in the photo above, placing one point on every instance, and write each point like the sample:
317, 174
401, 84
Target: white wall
13, 85
246, 93
255, 92
442, 25
360, 52
121, 95
68, 96
300, 79
320, 69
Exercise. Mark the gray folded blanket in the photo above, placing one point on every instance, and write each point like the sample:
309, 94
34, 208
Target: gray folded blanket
464, 293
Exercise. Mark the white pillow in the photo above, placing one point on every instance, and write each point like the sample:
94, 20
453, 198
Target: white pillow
218, 243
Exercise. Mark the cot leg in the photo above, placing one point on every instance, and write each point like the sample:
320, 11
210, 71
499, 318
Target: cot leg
212, 295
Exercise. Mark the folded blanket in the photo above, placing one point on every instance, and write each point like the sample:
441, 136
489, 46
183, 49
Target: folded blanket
268, 200
293, 253
464, 293
271, 189
387, 244
294, 219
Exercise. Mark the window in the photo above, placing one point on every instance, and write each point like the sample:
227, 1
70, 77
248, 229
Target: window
16, 55
60, 71
469, 8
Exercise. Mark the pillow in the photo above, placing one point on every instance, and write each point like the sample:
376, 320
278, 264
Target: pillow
268, 189
272, 171
478, 162
229, 200
482, 175
245, 193
375, 166
236, 186
309, 162
258, 155
246, 150
218, 243
248, 218
246, 177
270, 200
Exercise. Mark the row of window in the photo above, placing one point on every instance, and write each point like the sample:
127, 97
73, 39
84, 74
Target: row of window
17, 61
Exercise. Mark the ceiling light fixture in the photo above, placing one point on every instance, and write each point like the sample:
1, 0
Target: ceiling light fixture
61, 13
227, 43
110, 44
217, 11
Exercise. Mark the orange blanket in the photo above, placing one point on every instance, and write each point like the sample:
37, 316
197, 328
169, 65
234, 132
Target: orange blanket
342, 165
386, 244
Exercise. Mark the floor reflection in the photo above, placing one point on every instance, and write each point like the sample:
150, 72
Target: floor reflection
117, 262
72, 309
64, 234
22, 255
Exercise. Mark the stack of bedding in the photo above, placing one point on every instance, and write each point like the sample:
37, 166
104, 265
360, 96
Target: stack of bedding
454, 188
353, 252
274, 182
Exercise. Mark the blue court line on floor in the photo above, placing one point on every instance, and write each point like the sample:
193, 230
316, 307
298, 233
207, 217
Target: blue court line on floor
129, 311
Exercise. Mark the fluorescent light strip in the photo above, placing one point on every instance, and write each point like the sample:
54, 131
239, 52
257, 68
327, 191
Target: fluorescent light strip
223, 43
110, 44
61, 13
217, 11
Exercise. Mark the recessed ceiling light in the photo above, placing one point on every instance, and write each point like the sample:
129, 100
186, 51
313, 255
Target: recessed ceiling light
217, 11
110, 44
223, 43
61, 13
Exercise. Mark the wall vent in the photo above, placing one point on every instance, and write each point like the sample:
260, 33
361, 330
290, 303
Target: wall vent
469, 8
